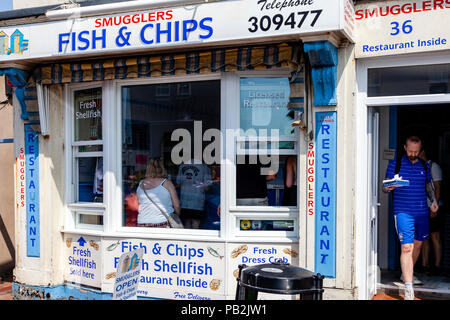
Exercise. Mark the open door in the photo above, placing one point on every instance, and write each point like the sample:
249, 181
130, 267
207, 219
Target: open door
373, 202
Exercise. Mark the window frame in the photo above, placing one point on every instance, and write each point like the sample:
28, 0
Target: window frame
160, 232
73, 208
236, 213
112, 206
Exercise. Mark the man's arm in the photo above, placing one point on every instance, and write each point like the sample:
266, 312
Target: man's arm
430, 194
389, 175
437, 190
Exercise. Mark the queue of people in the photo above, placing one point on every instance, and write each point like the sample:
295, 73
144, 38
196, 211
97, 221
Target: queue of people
157, 197
195, 195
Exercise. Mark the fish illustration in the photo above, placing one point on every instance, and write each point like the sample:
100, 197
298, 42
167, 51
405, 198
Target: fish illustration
290, 252
214, 253
113, 246
214, 284
239, 250
110, 275
94, 244
68, 242
236, 273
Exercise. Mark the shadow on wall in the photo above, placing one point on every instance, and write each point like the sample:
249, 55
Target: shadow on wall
7, 266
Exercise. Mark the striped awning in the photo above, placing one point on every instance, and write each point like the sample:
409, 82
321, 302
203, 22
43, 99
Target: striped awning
197, 62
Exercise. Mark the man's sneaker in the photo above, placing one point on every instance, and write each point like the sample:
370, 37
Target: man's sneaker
416, 280
409, 293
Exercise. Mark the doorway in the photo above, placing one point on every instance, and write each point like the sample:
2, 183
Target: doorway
432, 125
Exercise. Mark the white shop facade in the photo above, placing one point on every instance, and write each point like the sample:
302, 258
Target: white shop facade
203, 87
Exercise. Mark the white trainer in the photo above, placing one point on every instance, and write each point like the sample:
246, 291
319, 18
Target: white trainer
416, 281
409, 293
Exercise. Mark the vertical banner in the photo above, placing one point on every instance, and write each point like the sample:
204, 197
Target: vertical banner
32, 191
325, 189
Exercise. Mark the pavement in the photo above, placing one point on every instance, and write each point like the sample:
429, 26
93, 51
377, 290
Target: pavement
6, 288
383, 296
6, 291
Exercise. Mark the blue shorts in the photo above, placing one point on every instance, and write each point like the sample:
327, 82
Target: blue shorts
411, 227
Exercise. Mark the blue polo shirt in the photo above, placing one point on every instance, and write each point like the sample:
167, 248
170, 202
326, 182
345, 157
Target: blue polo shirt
413, 198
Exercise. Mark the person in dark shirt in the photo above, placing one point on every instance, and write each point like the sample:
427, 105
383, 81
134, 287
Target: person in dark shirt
251, 184
410, 207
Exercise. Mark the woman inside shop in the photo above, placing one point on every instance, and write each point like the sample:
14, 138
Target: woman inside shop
156, 193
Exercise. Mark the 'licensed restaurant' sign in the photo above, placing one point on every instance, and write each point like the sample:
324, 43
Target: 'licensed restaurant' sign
188, 25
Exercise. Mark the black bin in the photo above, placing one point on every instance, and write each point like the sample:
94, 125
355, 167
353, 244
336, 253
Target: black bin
280, 278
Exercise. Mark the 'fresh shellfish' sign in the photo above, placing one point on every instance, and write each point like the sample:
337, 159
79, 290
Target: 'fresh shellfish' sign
83, 260
171, 269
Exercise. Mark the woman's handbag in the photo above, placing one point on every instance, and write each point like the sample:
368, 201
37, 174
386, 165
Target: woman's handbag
173, 219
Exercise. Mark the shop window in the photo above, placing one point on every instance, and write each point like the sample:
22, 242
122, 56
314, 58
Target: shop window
87, 158
266, 147
171, 153
411, 80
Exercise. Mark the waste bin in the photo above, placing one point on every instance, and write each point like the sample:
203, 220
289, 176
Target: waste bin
279, 278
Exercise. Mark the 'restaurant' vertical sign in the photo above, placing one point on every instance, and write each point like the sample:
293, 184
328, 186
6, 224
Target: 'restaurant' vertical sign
32, 191
325, 191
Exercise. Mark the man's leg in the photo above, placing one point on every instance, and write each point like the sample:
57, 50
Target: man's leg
407, 262
425, 253
436, 240
416, 251
404, 224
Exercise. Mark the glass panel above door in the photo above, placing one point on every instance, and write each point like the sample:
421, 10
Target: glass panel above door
410, 80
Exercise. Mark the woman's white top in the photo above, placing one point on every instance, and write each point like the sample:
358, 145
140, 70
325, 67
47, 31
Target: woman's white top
148, 212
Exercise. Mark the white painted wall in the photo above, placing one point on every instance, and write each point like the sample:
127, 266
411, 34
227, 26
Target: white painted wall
22, 4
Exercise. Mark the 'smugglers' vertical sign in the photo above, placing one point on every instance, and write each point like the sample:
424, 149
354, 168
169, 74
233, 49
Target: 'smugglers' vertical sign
325, 189
32, 191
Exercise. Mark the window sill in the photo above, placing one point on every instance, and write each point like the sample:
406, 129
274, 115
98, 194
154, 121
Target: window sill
260, 238
86, 205
265, 210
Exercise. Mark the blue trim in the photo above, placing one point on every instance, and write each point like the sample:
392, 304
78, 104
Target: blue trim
6, 140
67, 291
392, 234
18, 79
323, 57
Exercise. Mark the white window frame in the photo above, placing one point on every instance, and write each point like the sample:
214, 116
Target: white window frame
194, 234
74, 209
112, 206
236, 213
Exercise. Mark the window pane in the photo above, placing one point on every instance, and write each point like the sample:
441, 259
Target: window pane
90, 148
411, 80
89, 218
266, 180
90, 179
88, 114
263, 105
171, 131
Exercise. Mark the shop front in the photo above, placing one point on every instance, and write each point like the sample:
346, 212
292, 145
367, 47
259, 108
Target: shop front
403, 67
231, 111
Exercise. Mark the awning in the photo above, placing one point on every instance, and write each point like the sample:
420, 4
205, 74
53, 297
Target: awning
200, 62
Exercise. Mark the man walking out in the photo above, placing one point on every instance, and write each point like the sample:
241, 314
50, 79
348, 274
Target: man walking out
411, 210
